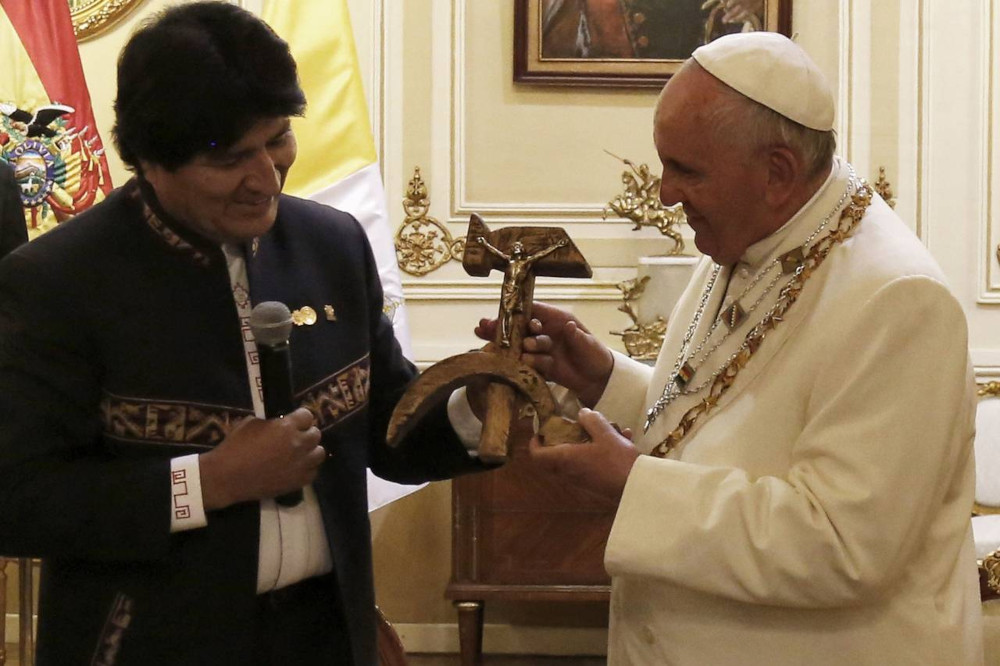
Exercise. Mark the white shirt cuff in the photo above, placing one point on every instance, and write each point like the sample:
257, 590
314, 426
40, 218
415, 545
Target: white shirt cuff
469, 428
187, 509
464, 421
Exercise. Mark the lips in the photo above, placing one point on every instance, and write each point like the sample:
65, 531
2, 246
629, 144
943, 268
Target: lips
257, 204
693, 219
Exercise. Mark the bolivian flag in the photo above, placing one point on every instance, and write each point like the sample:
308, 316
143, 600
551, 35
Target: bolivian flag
337, 164
47, 128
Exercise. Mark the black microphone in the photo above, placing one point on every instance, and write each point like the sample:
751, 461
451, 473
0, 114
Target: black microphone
271, 324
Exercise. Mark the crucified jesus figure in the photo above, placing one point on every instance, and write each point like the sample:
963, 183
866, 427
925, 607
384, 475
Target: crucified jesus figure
519, 265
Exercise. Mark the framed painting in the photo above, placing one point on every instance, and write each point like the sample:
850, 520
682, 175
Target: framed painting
627, 42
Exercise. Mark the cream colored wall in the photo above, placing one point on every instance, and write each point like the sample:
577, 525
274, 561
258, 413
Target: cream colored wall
914, 80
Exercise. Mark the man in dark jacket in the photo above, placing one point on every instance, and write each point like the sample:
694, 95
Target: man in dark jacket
13, 231
133, 453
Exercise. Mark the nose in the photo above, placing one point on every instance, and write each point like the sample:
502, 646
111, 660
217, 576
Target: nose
263, 175
670, 193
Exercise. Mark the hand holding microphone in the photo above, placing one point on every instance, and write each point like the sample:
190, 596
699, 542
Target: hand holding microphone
262, 458
271, 324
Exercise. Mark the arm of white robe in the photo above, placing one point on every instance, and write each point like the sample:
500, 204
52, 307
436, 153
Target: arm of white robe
888, 424
624, 398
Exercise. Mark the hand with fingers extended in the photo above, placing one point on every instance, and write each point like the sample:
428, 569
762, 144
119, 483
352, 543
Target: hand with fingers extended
561, 348
602, 465
261, 459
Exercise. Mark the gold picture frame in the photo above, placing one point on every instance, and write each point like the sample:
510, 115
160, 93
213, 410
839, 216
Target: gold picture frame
92, 17
632, 43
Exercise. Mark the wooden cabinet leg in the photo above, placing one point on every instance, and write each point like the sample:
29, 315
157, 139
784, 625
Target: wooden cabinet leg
470, 632
26, 607
3, 605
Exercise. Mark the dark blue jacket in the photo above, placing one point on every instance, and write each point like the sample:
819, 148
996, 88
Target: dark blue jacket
121, 348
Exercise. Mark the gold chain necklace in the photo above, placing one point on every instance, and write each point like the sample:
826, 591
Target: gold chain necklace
849, 219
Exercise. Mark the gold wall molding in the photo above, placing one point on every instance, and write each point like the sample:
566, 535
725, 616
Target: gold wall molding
640, 203
92, 17
423, 244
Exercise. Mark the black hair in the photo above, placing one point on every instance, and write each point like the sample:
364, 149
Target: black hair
195, 79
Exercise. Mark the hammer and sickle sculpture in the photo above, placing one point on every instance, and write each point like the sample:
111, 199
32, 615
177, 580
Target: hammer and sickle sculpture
521, 253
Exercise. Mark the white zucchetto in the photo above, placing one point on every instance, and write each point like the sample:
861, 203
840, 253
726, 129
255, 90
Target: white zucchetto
772, 70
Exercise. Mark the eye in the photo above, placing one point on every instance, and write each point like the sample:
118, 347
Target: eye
679, 169
223, 160
281, 139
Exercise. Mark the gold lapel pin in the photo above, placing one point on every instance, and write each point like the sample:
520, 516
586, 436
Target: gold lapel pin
305, 316
330, 314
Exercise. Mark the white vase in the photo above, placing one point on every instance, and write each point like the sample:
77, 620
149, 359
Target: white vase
668, 276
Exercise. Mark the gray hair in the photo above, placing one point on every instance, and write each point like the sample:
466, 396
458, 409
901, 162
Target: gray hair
741, 120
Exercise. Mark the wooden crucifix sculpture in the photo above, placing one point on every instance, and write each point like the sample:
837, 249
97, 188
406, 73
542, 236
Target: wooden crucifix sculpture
521, 253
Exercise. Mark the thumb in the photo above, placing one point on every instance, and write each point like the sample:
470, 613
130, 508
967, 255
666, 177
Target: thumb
595, 424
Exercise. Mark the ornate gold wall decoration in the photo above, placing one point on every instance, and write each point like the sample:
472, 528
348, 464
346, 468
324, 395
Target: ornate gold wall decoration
989, 389
92, 17
422, 243
642, 341
640, 203
884, 188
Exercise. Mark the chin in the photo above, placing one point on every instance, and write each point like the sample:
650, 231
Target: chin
246, 230
705, 249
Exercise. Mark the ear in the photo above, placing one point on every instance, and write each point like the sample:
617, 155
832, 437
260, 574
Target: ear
151, 172
785, 171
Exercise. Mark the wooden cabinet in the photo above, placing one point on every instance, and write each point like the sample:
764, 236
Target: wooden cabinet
523, 535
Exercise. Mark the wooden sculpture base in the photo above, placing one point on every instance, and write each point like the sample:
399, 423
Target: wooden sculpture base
523, 535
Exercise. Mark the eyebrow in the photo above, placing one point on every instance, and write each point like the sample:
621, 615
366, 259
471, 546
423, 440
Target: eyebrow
287, 125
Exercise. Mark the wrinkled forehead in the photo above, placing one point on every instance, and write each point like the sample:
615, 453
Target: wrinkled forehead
687, 98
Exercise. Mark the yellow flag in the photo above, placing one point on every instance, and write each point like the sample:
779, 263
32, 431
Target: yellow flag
335, 137
337, 164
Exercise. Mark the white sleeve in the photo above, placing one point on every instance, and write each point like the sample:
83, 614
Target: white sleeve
187, 508
469, 428
624, 398
884, 447
464, 421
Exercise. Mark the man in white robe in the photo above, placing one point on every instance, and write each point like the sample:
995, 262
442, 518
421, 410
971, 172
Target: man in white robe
798, 486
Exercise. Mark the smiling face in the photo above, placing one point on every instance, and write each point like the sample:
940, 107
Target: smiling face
230, 195
720, 182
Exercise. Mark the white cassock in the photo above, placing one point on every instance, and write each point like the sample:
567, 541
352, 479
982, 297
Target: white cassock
819, 514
